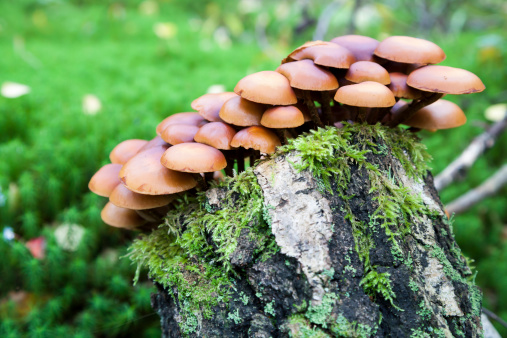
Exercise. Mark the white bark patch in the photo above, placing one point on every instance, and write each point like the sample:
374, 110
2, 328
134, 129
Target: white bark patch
438, 286
301, 218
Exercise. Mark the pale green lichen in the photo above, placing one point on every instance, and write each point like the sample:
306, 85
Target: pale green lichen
343, 328
319, 314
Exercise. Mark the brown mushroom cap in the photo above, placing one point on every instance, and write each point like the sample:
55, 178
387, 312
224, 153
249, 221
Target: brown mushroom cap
145, 174
306, 75
444, 79
400, 89
124, 198
121, 217
441, 114
193, 158
179, 133
398, 108
125, 150
216, 134
361, 46
155, 142
303, 46
367, 71
365, 94
209, 105
258, 138
329, 55
266, 87
105, 180
409, 50
283, 117
181, 118
242, 112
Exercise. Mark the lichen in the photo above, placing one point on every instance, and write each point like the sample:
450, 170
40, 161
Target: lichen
319, 314
343, 328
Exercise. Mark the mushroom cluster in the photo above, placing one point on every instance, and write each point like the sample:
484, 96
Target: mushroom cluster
351, 78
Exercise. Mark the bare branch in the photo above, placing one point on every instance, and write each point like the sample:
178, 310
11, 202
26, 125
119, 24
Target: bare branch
486, 189
477, 147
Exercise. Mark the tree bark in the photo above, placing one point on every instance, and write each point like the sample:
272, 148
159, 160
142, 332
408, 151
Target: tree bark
317, 284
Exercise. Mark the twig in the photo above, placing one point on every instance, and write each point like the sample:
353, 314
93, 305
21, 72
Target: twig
486, 189
479, 145
494, 317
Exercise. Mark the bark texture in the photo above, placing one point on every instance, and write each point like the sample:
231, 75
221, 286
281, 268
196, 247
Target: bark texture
316, 285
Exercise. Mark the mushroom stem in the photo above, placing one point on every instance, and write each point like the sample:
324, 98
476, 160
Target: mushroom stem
149, 215
282, 135
362, 114
201, 183
240, 158
307, 97
373, 115
353, 112
208, 177
382, 112
413, 107
326, 107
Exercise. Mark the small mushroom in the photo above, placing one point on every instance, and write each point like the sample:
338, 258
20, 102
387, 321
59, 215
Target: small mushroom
125, 150
258, 138
362, 71
209, 105
281, 118
329, 55
122, 197
121, 217
155, 142
407, 49
181, 118
441, 114
179, 133
267, 87
361, 46
242, 112
105, 180
193, 158
145, 174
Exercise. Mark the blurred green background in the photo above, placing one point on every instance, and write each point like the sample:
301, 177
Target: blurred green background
99, 72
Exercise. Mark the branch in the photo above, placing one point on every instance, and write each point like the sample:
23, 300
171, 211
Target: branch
488, 188
477, 147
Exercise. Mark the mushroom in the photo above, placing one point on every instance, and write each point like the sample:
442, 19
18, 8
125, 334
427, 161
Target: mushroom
242, 112
361, 46
407, 49
125, 150
441, 114
367, 94
306, 76
179, 133
105, 180
362, 71
267, 87
209, 105
145, 174
283, 117
218, 135
123, 197
400, 88
437, 81
121, 217
258, 138
181, 118
328, 54
155, 142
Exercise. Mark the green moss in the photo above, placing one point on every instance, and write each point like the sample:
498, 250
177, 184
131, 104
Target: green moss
320, 314
343, 328
270, 308
179, 256
375, 283
300, 327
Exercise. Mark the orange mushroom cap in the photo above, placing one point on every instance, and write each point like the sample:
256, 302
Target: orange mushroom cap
329, 55
446, 80
179, 133
266, 87
209, 105
121, 217
193, 158
125, 198
145, 174
242, 112
365, 94
258, 138
367, 71
361, 46
400, 88
105, 180
181, 118
125, 150
441, 114
216, 134
407, 49
283, 117
306, 75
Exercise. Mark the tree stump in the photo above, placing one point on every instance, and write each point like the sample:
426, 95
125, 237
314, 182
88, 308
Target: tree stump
363, 248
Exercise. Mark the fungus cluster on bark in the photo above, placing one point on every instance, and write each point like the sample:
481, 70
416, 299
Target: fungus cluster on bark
351, 78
